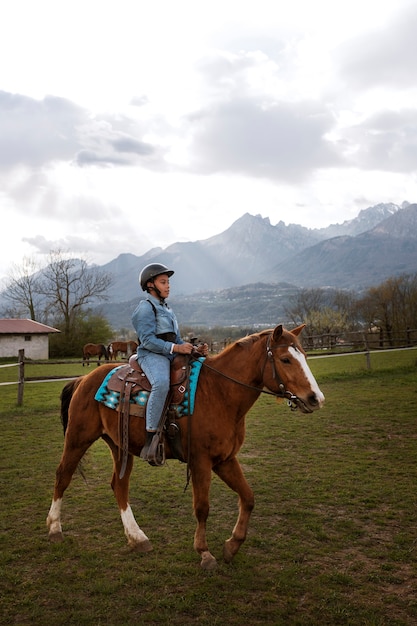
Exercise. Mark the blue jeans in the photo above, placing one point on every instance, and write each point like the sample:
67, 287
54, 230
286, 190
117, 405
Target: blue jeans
157, 369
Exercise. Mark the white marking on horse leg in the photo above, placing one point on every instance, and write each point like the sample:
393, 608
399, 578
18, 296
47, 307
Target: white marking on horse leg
136, 538
53, 521
308, 374
208, 561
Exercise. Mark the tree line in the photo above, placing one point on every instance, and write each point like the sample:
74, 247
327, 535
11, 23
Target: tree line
63, 293
390, 307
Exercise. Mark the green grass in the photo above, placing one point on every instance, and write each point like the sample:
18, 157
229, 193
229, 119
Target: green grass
332, 539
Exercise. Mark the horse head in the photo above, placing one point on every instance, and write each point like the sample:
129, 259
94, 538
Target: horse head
287, 373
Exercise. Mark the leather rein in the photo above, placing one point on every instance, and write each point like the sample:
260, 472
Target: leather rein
292, 400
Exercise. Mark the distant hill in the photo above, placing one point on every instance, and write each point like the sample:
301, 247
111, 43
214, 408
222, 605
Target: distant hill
253, 305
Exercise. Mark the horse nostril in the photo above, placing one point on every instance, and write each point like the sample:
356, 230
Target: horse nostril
313, 400
316, 400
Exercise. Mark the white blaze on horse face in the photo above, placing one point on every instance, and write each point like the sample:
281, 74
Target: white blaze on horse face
299, 356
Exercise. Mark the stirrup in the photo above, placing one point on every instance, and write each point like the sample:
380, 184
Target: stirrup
156, 453
148, 442
154, 450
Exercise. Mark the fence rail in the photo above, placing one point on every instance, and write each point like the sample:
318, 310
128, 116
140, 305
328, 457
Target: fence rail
22, 379
328, 344
377, 339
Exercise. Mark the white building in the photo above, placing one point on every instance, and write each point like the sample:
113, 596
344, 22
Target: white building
27, 335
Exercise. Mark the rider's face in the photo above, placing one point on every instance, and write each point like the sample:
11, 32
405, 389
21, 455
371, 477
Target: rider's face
161, 282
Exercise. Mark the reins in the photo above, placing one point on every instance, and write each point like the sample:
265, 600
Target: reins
282, 393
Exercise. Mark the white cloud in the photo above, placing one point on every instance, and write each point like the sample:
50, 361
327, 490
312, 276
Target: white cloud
128, 125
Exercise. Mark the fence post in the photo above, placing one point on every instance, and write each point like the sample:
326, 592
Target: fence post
367, 353
21, 382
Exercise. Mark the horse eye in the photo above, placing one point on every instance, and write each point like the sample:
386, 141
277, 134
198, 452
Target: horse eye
285, 360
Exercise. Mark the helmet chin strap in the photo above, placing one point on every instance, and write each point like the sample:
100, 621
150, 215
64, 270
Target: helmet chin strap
158, 293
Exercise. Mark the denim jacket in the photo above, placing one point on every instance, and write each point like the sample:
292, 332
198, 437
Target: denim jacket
150, 321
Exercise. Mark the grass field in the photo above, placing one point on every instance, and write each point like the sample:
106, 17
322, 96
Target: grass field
332, 539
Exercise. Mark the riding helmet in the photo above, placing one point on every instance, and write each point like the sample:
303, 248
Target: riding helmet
152, 271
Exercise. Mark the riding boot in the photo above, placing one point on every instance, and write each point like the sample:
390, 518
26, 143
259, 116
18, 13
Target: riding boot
145, 449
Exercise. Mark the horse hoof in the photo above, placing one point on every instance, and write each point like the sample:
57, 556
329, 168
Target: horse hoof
230, 548
56, 537
208, 562
142, 546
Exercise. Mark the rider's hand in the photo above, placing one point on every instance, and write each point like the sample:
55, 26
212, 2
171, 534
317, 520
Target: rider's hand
183, 348
202, 349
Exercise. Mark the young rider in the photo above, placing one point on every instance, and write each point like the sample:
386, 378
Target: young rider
159, 341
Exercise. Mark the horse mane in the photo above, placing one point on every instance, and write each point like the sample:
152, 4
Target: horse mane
245, 342
250, 339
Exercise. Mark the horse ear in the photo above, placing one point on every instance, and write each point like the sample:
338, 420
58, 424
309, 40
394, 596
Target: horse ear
277, 333
297, 331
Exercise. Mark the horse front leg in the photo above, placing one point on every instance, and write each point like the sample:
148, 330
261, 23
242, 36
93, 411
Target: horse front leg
136, 538
231, 473
201, 481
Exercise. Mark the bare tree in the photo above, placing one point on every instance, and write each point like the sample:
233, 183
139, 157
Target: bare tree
392, 305
304, 302
22, 290
69, 285
327, 321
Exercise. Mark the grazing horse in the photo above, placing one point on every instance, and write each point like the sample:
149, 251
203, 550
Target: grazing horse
124, 347
271, 361
94, 349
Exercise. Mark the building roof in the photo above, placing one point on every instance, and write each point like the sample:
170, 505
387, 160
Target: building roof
24, 327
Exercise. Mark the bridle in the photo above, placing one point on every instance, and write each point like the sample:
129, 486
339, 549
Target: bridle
293, 401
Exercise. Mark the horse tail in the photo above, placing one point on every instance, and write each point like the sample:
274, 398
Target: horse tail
104, 352
66, 396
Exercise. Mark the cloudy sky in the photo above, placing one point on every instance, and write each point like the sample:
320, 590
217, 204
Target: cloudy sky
126, 125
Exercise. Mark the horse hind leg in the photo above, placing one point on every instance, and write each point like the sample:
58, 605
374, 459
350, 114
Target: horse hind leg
231, 473
64, 473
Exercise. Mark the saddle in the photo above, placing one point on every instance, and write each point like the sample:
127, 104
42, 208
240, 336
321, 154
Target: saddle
132, 379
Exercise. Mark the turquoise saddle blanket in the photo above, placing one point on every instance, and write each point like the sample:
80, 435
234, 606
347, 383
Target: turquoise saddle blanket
111, 398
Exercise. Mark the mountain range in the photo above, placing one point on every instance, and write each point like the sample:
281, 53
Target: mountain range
246, 274
254, 261
380, 242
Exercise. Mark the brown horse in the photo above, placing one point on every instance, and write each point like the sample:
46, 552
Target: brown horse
94, 349
122, 347
270, 361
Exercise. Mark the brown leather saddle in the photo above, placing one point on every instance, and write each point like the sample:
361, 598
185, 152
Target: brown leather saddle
130, 379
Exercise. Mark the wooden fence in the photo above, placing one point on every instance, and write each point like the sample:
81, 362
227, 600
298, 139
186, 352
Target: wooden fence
377, 339
22, 379
329, 344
